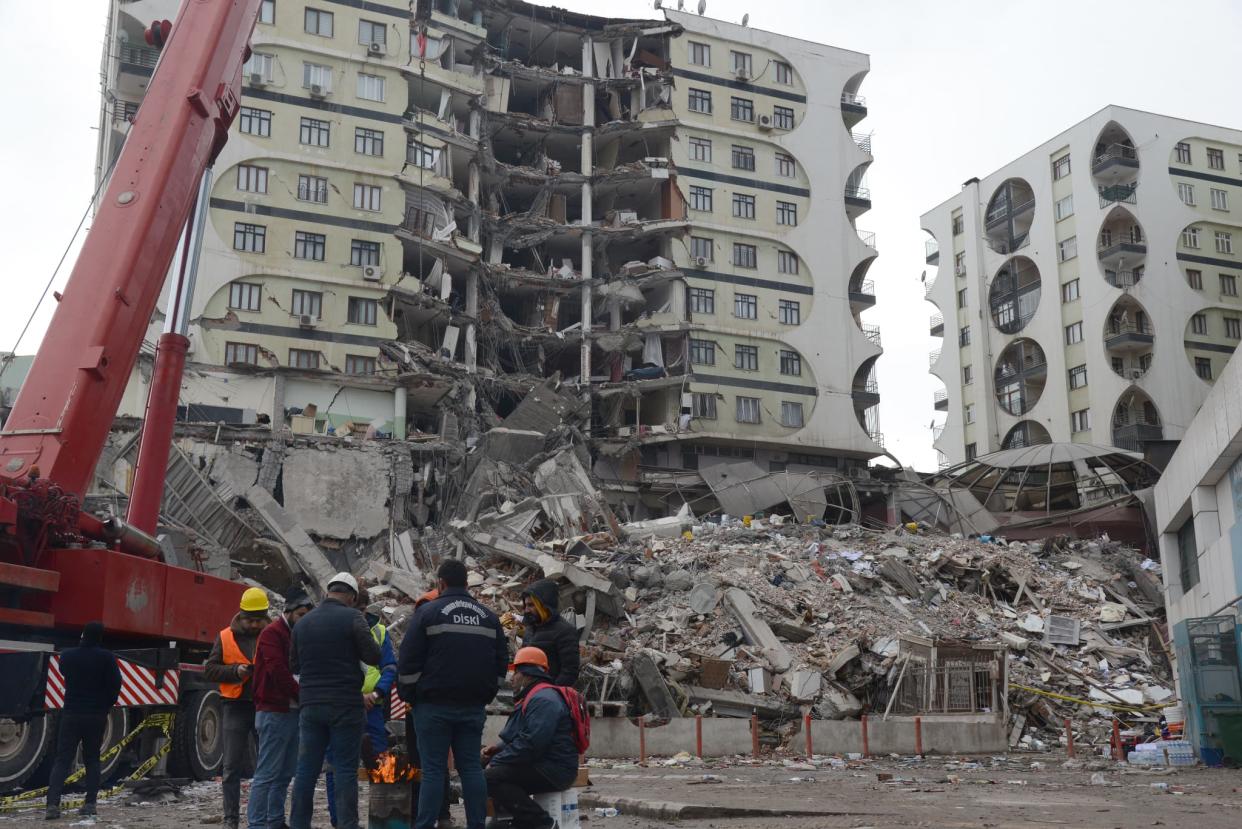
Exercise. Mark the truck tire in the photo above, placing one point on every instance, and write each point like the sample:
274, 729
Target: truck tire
114, 731
198, 737
24, 746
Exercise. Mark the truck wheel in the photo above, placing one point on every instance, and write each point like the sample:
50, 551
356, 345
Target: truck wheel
23, 748
116, 728
198, 737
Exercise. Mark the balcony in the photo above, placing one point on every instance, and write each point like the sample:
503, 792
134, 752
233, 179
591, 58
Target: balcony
1132, 434
1129, 337
876, 436
867, 237
1005, 246
937, 432
937, 325
872, 333
932, 248
124, 112
853, 108
1115, 156
933, 358
137, 59
1118, 194
863, 142
857, 200
1002, 212
941, 400
863, 294
1115, 246
1033, 366
866, 396
1132, 369
1125, 280
927, 289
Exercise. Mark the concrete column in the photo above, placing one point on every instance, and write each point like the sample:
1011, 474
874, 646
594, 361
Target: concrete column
614, 316
1207, 518
588, 162
278, 404
398, 413
472, 193
472, 311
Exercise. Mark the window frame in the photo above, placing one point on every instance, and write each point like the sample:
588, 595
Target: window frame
230, 354
319, 16
783, 73
1068, 288
1190, 237
788, 262
1215, 155
703, 405
790, 363
1080, 420
1228, 284
742, 62
353, 362
700, 149
699, 100
745, 357
1186, 193
744, 154
364, 137
744, 205
312, 189
1073, 333
308, 242
749, 258
786, 213
701, 300
255, 117
267, 12
365, 81
783, 117
1219, 198
1062, 215
299, 297
1233, 328
748, 405
1194, 278
361, 310
703, 247
1199, 324
253, 174
314, 128
1203, 368
1224, 242
1075, 373
700, 198
1061, 167
786, 165
746, 306
365, 253
1069, 244
374, 25
702, 352
245, 291
325, 73
255, 233
788, 407
296, 355
695, 48
741, 109
368, 197
789, 311
1182, 153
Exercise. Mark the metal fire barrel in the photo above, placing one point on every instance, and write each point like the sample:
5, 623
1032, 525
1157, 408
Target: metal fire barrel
389, 806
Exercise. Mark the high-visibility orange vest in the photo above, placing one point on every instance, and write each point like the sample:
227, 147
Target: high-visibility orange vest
232, 656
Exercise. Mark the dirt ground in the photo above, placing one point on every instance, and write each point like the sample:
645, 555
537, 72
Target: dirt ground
1025, 790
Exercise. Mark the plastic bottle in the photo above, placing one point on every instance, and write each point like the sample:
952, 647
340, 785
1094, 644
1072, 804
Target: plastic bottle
606, 812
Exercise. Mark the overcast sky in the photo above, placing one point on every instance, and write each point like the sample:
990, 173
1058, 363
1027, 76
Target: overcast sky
957, 88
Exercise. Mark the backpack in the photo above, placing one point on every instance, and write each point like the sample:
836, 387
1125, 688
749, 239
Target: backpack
578, 713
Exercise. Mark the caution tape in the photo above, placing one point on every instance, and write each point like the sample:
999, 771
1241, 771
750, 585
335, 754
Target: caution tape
1092, 702
162, 721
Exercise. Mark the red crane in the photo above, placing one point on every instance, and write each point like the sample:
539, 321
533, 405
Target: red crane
61, 567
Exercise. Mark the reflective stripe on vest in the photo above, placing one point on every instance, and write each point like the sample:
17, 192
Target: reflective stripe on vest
232, 655
372, 677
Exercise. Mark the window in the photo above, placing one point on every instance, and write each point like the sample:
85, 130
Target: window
743, 158
1224, 242
702, 247
703, 406
251, 179
959, 225
370, 87
1220, 199
301, 358
701, 101
1077, 377
357, 364
1203, 368
245, 296
1194, 279
701, 149
371, 32
783, 118
313, 188
309, 245
367, 196
702, 352
743, 206
745, 256
786, 261
316, 75
1080, 421
368, 142
255, 122
1198, 323
961, 298
702, 301
241, 353
1069, 291
700, 53
261, 64
315, 133
1216, 159
1073, 333
741, 63
785, 165
362, 252
1190, 237
746, 357
968, 375
791, 363
786, 213
700, 198
1233, 328
1183, 152
791, 414
249, 238
971, 451
306, 304
790, 311
741, 109
969, 413
362, 311
1228, 285
420, 155
746, 306
784, 73
963, 336
1067, 249
1060, 167
1187, 555
319, 23
1064, 208
748, 410
959, 263
1186, 192
267, 11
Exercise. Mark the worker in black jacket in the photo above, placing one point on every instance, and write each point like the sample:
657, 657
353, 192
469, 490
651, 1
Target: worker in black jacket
92, 685
546, 630
452, 659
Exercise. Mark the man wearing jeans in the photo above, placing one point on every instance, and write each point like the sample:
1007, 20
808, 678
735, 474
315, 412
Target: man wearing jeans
451, 663
276, 717
329, 646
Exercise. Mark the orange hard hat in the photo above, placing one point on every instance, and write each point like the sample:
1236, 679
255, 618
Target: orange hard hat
429, 596
529, 656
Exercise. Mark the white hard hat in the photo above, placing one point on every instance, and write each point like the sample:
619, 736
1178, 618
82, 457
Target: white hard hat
345, 579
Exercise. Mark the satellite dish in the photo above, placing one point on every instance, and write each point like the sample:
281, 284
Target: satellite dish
658, 3
702, 7
923, 278
681, 4
745, 19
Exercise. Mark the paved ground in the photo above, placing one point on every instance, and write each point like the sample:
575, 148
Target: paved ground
1024, 791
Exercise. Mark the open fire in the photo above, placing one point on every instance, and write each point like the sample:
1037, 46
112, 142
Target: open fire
392, 767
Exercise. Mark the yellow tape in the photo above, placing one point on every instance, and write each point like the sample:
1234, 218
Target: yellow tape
1092, 702
162, 721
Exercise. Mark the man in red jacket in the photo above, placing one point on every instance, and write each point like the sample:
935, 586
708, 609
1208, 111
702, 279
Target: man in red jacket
276, 717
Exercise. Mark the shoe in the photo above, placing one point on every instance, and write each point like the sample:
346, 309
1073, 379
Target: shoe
88, 810
52, 813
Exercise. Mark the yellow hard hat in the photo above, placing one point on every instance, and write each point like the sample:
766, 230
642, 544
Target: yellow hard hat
254, 600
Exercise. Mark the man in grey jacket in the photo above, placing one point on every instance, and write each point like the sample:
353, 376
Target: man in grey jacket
330, 644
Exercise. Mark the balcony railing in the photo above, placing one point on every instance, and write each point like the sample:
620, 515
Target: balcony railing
1007, 246
1116, 152
932, 248
1125, 280
138, 55
1119, 194
932, 358
866, 287
862, 141
1131, 369
854, 191
1121, 329
927, 289
937, 431
937, 322
867, 237
124, 111
941, 399
872, 333
1008, 371
853, 99
1002, 211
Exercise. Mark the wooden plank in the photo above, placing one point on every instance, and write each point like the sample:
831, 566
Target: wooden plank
29, 578
27, 618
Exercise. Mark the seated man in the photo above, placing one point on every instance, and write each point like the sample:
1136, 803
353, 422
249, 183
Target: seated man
536, 752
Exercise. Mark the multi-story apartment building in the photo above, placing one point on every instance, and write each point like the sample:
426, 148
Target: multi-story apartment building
422, 211
1088, 291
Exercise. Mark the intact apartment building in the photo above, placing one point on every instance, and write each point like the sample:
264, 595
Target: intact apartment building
1089, 290
423, 211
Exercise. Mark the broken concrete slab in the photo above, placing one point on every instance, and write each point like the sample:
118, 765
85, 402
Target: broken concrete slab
336, 493
310, 559
757, 631
653, 686
726, 703
608, 596
704, 597
804, 685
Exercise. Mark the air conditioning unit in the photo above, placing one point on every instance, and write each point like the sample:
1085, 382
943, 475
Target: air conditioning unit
317, 91
765, 122
699, 261
375, 49
257, 79
741, 74
372, 273
1136, 373
308, 320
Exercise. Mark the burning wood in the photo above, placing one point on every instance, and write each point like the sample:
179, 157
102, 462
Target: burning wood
392, 767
